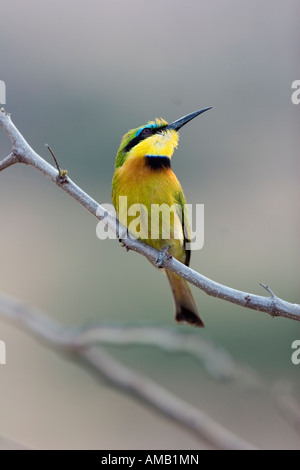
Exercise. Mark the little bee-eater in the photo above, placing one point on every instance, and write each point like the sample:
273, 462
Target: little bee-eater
143, 178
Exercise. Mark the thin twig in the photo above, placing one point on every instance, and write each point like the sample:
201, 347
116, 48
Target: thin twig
64, 340
267, 288
23, 153
62, 174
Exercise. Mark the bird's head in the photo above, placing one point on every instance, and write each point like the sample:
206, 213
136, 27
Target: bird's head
155, 139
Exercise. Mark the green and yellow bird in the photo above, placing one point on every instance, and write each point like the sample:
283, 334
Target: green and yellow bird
143, 177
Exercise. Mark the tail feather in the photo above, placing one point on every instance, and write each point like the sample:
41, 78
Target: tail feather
186, 309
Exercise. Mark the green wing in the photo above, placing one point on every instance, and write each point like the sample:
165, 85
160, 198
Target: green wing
186, 226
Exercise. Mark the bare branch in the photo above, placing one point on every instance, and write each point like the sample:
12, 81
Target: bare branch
23, 153
8, 161
64, 340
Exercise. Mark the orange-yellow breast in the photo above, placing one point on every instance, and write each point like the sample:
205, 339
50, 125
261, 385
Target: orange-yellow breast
143, 185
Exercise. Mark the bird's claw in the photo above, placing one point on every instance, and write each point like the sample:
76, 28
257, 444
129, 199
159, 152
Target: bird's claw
120, 240
121, 237
163, 256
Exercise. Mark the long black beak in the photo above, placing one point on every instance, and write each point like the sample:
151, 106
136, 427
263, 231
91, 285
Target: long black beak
176, 125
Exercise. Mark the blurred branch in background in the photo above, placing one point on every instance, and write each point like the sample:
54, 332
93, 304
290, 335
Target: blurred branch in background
218, 363
78, 344
287, 404
6, 443
23, 153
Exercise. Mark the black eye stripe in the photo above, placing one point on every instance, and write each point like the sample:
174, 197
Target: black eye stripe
132, 143
141, 137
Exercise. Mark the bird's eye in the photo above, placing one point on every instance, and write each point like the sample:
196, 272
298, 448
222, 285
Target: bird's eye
146, 131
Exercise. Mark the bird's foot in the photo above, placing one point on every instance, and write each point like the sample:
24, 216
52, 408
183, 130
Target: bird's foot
163, 256
123, 235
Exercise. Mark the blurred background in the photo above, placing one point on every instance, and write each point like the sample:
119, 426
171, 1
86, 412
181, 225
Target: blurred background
78, 75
